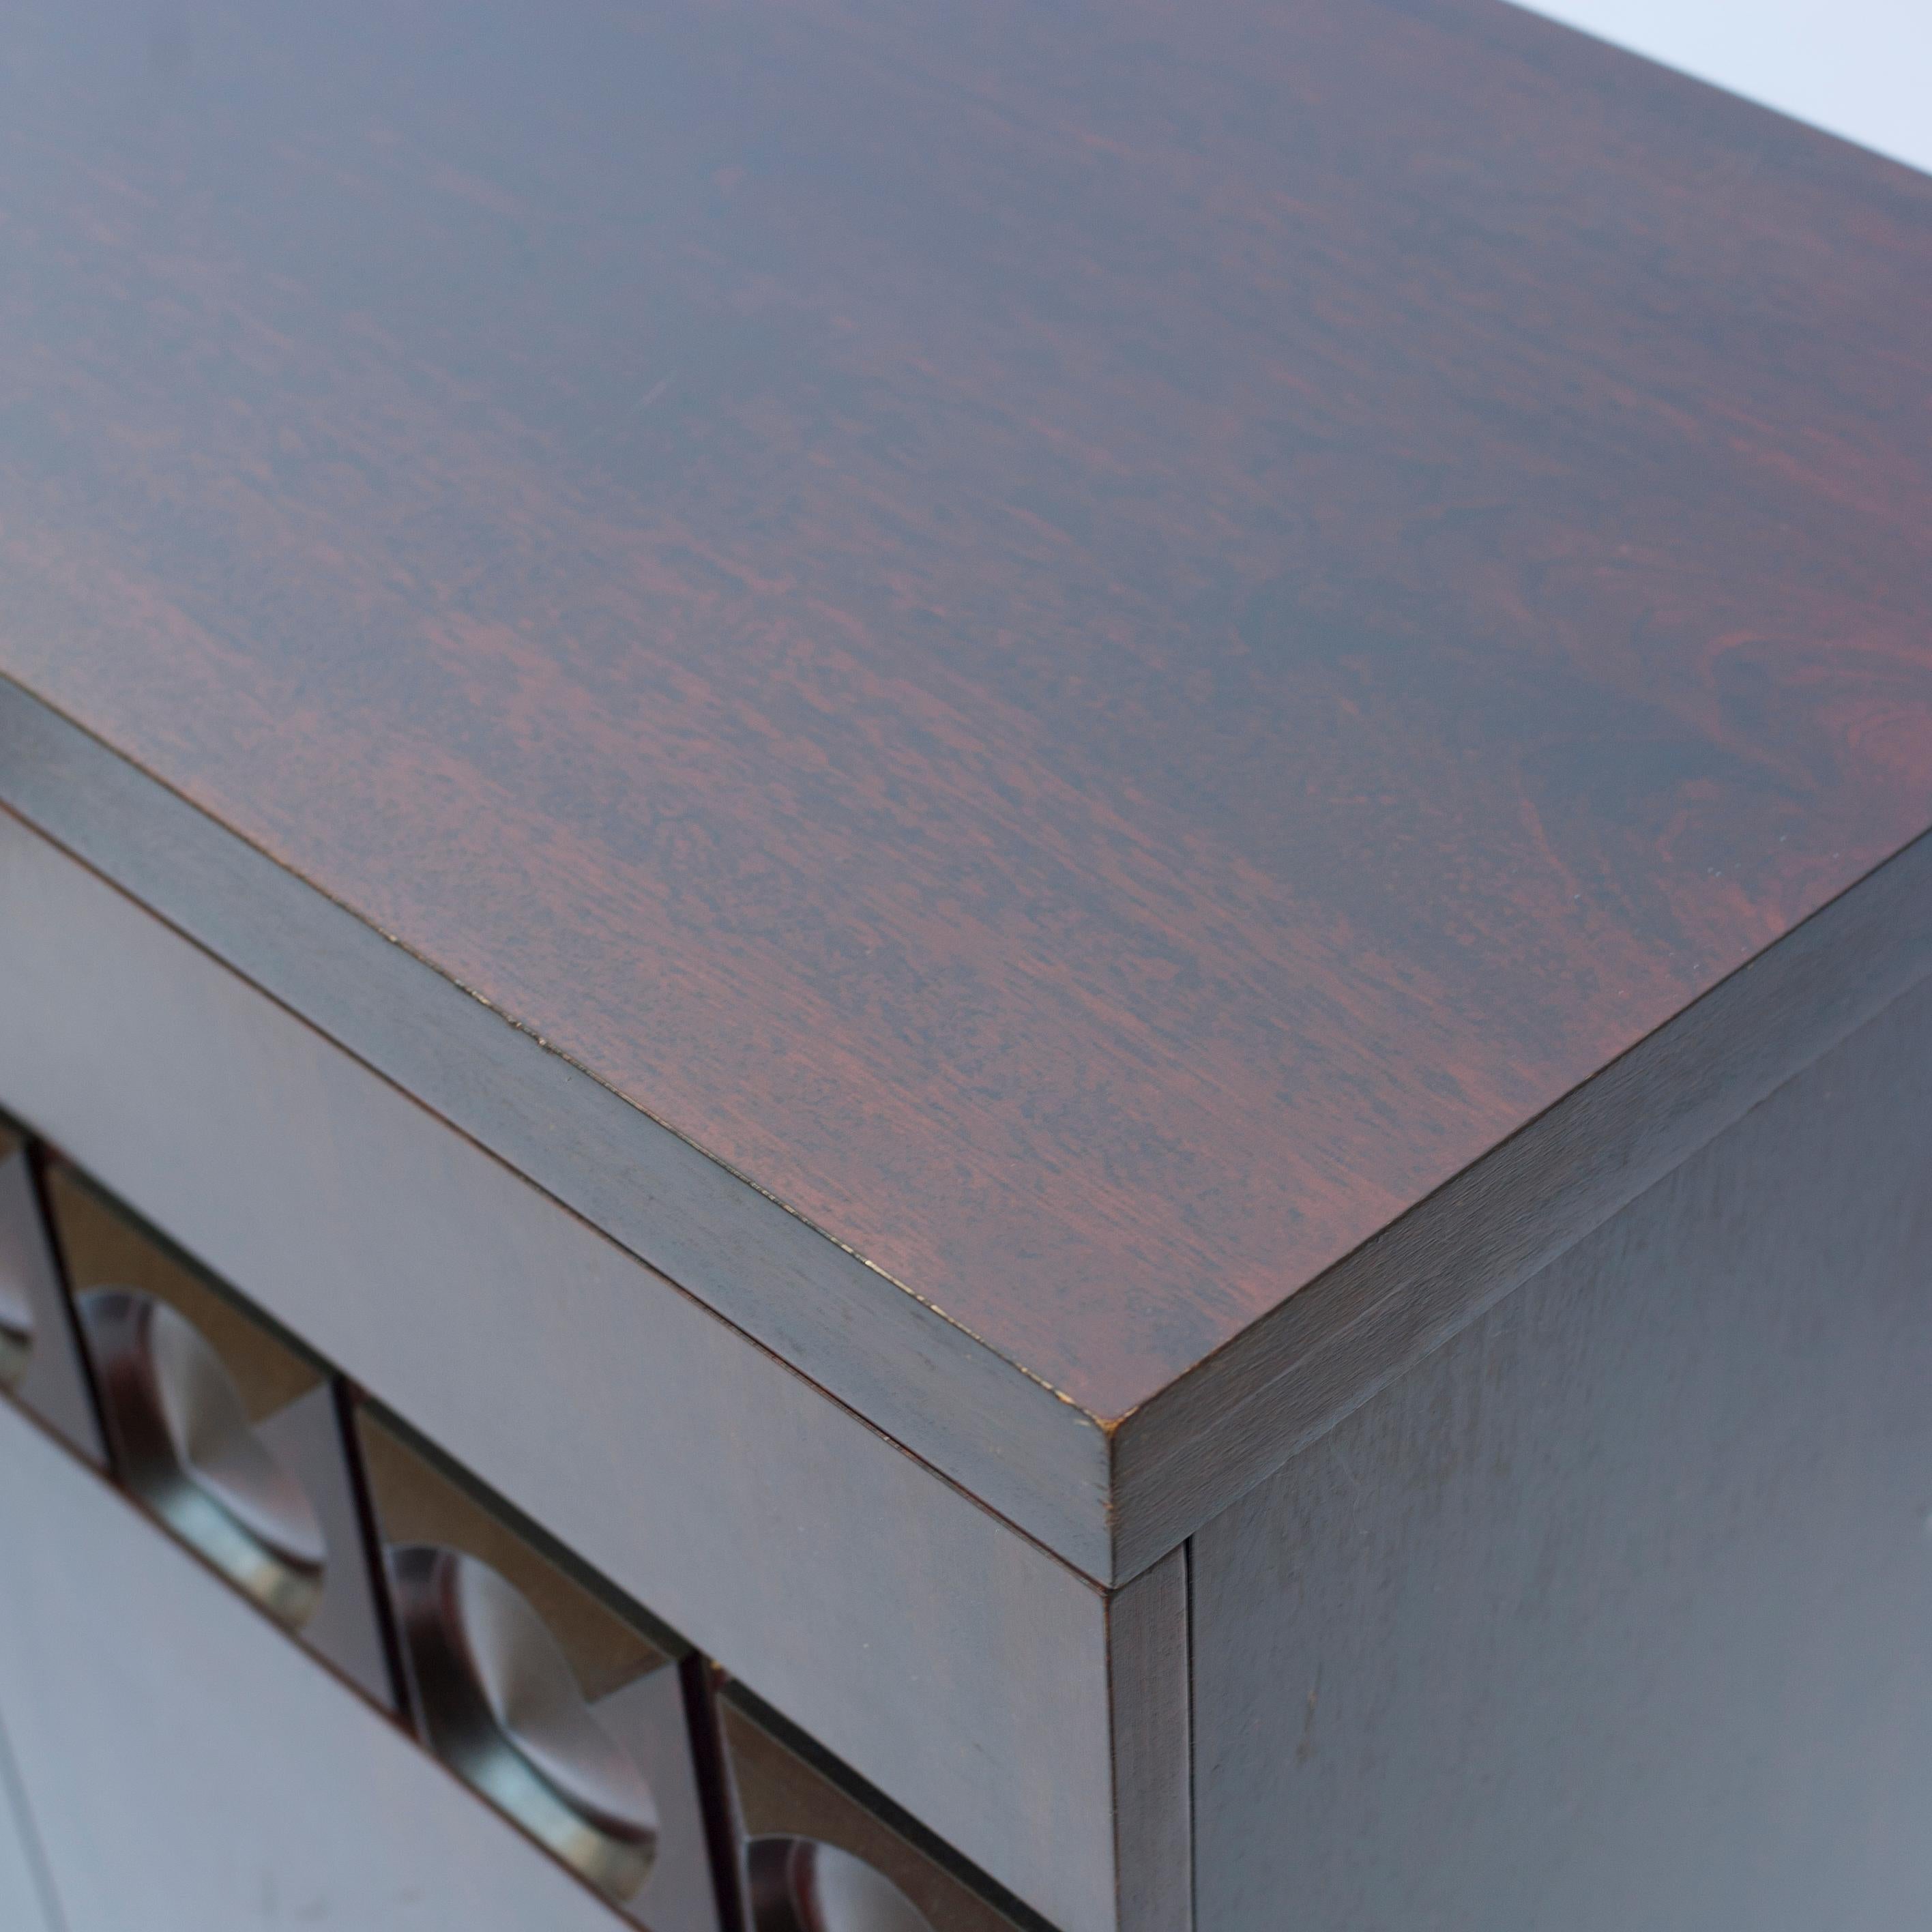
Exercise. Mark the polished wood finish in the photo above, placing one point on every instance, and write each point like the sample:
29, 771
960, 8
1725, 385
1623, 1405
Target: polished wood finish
1097, 659
1037, 1460
874, 1604
893, 798
1618, 1611
1110, 1506
1288, 1380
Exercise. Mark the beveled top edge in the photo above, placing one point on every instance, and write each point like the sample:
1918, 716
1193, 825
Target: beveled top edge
1109, 1502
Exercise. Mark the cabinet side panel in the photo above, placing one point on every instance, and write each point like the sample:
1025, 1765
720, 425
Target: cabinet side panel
948, 1659
1618, 1611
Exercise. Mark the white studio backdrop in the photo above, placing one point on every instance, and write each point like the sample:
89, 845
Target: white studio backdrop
1858, 68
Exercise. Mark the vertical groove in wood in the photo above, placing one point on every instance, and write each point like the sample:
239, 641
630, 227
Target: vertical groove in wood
54, 1385
1148, 1678
26, 1885
1193, 1746
722, 1820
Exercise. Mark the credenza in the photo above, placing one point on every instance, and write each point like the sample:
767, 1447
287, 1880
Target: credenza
960, 967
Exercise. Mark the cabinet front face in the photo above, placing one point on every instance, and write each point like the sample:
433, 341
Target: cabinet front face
23, 1882
190, 1770
878, 1608
272, 1652
804, 1840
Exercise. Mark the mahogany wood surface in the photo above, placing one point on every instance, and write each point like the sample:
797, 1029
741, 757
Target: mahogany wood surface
1097, 646
948, 1659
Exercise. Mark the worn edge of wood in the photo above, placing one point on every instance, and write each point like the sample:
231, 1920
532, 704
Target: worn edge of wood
1081, 1648
1209, 1438
1150, 1693
1109, 1503
1022, 1449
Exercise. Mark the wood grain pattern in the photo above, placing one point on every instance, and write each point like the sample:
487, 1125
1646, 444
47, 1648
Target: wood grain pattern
1097, 652
876, 1605
1039, 1461
1289, 1379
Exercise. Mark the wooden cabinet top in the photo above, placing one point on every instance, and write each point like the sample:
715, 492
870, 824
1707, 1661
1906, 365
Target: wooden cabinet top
1095, 648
